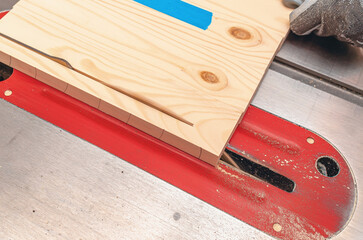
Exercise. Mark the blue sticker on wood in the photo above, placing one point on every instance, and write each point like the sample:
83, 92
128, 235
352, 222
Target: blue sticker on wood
181, 10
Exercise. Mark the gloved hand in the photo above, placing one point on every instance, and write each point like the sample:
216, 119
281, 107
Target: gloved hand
340, 18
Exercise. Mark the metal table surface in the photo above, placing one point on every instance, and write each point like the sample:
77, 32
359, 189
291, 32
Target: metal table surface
55, 185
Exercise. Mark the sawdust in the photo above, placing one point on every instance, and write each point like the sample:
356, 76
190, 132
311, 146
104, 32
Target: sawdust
285, 146
295, 226
229, 174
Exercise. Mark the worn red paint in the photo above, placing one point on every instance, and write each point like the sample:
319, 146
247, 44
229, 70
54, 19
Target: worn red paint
318, 207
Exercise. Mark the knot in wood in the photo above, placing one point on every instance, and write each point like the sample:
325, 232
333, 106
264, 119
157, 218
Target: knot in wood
240, 33
209, 77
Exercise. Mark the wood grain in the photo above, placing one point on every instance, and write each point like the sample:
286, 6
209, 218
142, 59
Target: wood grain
172, 78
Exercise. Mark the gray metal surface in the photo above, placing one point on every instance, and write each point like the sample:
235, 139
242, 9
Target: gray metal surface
7, 4
54, 185
327, 58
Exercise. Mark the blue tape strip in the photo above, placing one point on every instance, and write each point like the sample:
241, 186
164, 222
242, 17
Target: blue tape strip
181, 10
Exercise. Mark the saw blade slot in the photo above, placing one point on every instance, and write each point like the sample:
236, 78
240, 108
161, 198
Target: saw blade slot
259, 171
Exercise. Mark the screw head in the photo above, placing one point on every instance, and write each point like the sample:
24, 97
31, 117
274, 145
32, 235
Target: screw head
277, 227
310, 140
8, 93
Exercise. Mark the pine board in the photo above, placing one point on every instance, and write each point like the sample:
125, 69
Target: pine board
181, 84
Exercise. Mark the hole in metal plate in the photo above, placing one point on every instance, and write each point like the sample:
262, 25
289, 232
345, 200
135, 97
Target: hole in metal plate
261, 172
327, 166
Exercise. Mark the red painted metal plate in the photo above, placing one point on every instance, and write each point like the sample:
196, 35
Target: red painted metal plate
319, 206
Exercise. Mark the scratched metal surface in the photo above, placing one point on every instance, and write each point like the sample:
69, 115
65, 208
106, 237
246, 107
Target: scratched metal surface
48, 189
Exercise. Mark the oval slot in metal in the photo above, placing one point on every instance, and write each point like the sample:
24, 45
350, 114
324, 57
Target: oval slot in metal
261, 172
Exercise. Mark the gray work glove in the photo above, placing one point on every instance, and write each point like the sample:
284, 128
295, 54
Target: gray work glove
340, 18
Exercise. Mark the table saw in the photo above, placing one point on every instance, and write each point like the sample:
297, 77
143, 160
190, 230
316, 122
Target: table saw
56, 185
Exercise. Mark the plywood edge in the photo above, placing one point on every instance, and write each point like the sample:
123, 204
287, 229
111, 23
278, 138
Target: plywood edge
114, 111
83, 96
50, 72
209, 157
23, 67
5, 58
84, 93
181, 144
145, 126
51, 81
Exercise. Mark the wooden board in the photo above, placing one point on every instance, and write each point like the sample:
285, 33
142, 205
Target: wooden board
181, 84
